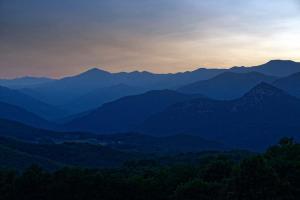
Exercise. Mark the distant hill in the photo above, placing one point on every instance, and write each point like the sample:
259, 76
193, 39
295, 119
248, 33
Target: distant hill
126, 113
97, 97
228, 85
12, 158
79, 87
278, 68
135, 142
20, 131
52, 156
69, 89
17, 98
291, 84
19, 114
129, 142
24, 82
259, 118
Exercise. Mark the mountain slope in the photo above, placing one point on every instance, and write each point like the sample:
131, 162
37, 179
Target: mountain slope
14, 97
227, 85
68, 154
278, 68
15, 113
259, 118
22, 82
68, 89
65, 90
291, 84
126, 113
20, 131
100, 96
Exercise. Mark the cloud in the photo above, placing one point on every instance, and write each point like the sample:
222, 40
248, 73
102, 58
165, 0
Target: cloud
66, 36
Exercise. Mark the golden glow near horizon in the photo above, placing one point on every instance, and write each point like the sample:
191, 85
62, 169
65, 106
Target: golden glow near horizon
61, 37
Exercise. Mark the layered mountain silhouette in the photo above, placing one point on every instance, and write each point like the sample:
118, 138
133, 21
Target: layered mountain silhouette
228, 85
62, 91
278, 68
100, 96
291, 84
23, 82
223, 105
19, 114
259, 118
17, 98
128, 112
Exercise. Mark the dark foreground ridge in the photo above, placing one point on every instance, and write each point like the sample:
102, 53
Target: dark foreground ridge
237, 175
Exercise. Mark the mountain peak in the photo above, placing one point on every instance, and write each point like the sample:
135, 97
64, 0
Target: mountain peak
280, 61
264, 90
94, 71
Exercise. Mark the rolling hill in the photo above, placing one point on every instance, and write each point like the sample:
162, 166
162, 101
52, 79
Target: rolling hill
20, 155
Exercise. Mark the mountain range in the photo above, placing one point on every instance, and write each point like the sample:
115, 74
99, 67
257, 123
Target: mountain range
259, 118
228, 85
22, 145
126, 113
18, 98
62, 91
240, 107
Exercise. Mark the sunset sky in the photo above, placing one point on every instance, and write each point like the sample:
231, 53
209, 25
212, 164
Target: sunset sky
59, 37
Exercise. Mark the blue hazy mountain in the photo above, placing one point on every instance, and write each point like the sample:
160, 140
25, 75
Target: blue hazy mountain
96, 98
19, 114
126, 113
228, 85
278, 68
24, 82
17, 98
261, 117
291, 84
61, 92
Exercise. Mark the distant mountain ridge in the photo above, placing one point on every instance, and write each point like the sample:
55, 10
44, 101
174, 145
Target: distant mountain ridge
17, 98
16, 113
278, 68
65, 90
126, 113
291, 84
259, 118
26, 81
228, 85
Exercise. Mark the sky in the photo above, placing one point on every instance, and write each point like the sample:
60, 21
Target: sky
60, 37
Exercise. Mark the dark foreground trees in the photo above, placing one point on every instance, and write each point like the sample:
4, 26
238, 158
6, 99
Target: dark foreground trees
270, 176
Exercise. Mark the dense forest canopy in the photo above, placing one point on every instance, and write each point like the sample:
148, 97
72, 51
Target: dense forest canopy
272, 175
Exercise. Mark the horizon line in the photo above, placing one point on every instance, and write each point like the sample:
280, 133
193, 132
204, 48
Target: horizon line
134, 71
